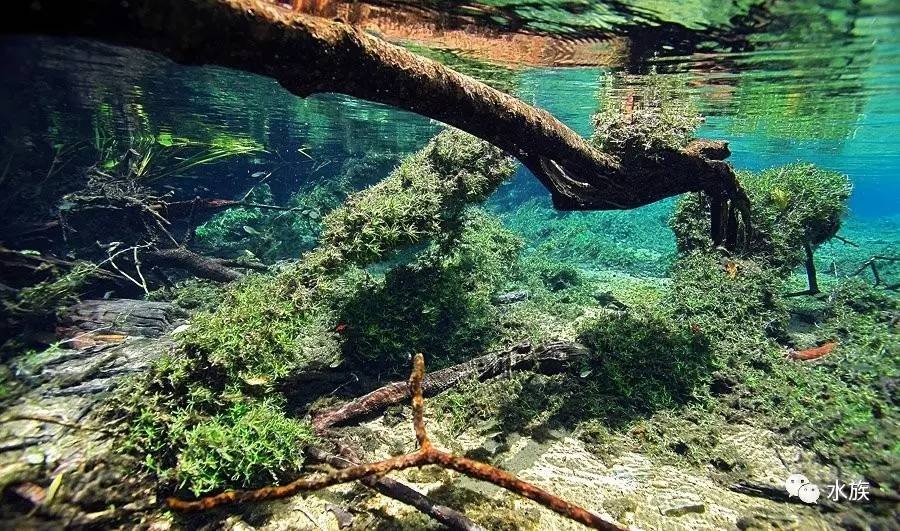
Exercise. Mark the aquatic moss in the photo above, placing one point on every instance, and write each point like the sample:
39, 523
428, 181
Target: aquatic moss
642, 116
191, 294
264, 329
440, 303
792, 206
421, 199
247, 445
643, 363
268, 327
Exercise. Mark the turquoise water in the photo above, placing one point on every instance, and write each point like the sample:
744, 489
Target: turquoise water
827, 96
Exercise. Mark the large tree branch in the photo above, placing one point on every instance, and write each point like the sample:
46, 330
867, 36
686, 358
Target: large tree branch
310, 55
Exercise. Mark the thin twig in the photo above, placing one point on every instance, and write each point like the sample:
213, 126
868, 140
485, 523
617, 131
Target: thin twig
425, 455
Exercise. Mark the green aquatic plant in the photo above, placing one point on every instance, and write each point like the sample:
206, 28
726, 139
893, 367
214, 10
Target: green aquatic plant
643, 363
421, 199
268, 327
638, 243
642, 115
440, 303
47, 296
792, 206
188, 434
247, 445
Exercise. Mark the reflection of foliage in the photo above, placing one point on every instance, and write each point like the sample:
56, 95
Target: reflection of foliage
806, 79
497, 76
645, 115
150, 157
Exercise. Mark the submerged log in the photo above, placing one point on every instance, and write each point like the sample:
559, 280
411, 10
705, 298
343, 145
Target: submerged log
127, 317
550, 358
310, 55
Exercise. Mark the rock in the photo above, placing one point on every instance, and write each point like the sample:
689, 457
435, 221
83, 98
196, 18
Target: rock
52, 431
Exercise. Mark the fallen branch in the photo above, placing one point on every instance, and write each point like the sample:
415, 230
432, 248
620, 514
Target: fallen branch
550, 357
309, 55
392, 488
199, 265
425, 455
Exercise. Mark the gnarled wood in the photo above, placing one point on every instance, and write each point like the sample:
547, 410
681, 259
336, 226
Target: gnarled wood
550, 357
310, 55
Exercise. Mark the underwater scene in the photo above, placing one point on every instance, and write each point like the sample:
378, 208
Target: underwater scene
456, 264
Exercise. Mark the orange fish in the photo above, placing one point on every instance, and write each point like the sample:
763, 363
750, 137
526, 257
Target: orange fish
341, 328
812, 353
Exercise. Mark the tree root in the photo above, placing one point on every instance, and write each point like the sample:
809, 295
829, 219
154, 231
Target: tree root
425, 455
550, 357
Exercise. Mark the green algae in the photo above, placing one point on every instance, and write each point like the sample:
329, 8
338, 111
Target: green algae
268, 327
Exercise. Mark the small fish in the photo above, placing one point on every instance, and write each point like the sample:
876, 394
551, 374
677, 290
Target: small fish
250, 230
341, 328
812, 353
313, 214
695, 328
258, 174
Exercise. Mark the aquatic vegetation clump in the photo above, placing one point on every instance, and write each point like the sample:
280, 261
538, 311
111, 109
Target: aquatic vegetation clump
247, 445
202, 439
644, 362
792, 206
638, 116
421, 199
264, 331
47, 296
440, 303
192, 294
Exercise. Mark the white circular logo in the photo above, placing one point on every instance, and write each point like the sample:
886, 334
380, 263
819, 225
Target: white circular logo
794, 482
809, 493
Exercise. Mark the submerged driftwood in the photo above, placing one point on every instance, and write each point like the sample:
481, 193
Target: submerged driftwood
310, 55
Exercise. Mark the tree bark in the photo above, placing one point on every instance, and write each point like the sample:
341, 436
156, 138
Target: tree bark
310, 55
201, 266
552, 357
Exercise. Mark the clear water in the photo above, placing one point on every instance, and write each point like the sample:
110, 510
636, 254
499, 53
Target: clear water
780, 80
